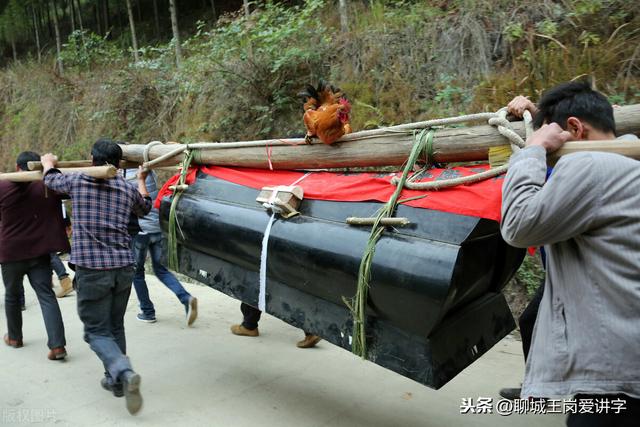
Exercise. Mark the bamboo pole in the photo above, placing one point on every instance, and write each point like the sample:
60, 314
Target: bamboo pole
396, 221
379, 147
101, 172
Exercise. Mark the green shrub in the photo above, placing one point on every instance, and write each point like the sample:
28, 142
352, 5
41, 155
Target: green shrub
85, 50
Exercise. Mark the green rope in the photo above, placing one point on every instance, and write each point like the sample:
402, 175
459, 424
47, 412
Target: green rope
172, 250
358, 304
428, 151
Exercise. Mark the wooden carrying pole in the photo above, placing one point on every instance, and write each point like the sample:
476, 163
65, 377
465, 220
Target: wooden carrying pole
102, 172
37, 166
378, 147
628, 148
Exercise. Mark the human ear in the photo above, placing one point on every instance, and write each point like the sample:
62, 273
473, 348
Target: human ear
576, 128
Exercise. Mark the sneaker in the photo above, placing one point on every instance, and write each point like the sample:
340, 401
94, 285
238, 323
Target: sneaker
244, 332
115, 388
58, 353
192, 310
146, 318
12, 343
66, 287
510, 393
309, 341
131, 386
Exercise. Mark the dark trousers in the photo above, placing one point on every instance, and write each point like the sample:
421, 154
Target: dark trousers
102, 301
627, 417
38, 270
251, 317
527, 319
58, 266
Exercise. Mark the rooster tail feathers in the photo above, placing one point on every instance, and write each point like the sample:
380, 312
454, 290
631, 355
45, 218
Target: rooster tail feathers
309, 92
310, 96
324, 94
329, 94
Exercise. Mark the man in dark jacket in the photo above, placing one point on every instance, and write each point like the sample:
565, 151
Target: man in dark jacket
31, 227
101, 252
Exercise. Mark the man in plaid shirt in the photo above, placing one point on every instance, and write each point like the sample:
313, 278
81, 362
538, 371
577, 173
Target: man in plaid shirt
101, 252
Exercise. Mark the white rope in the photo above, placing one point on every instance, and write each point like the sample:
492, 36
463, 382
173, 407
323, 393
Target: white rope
262, 293
147, 148
497, 119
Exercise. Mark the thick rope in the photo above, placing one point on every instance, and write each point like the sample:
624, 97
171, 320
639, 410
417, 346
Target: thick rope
358, 304
499, 120
145, 153
174, 225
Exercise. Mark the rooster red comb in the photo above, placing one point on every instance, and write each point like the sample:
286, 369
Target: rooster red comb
345, 102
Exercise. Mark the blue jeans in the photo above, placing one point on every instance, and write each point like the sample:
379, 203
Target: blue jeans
152, 243
58, 266
102, 301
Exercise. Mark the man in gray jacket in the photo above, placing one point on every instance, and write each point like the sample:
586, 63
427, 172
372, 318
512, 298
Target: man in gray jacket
586, 341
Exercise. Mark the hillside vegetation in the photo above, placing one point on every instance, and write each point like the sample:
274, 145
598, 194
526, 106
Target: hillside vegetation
399, 61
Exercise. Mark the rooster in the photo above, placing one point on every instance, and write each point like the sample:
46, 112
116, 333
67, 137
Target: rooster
326, 113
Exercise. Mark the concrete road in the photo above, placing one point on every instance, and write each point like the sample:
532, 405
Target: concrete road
204, 376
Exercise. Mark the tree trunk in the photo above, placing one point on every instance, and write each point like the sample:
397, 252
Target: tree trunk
48, 9
105, 13
72, 15
378, 147
174, 28
139, 9
344, 21
247, 14
96, 8
134, 39
37, 32
13, 48
247, 11
58, 39
79, 15
156, 18
213, 10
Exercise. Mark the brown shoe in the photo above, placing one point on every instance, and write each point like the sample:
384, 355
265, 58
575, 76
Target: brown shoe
57, 353
12, 343
242, 331
192, 310
66, 287
309, 341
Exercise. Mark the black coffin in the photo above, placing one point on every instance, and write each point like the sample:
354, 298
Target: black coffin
434, 305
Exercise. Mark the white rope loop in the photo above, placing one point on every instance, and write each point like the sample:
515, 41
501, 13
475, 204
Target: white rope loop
500, 122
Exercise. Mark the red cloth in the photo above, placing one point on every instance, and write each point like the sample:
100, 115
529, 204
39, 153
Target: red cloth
482, 199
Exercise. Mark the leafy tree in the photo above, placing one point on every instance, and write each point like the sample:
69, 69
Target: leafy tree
13, 25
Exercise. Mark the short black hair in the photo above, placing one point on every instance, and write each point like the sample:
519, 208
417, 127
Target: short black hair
105, 151
575, 99
26, 157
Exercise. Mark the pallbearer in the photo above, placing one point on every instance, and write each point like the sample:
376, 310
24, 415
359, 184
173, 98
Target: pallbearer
101, 251
31, 227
